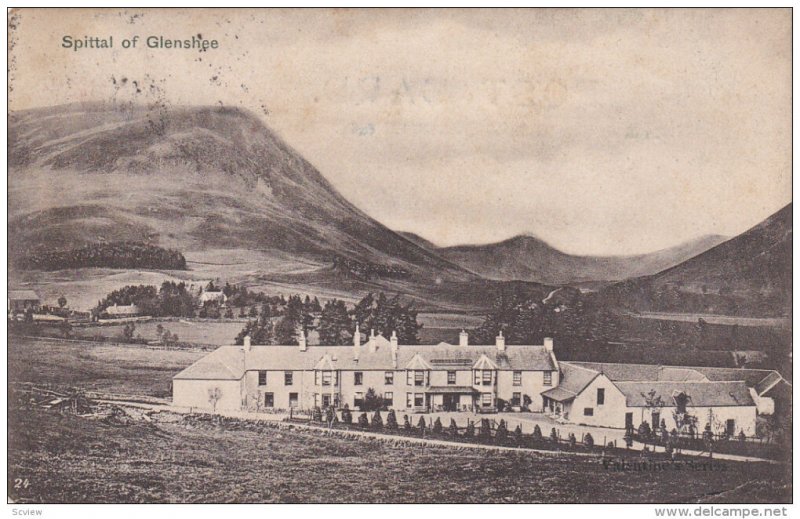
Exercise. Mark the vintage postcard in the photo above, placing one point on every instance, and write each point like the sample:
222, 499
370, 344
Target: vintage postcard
400, 256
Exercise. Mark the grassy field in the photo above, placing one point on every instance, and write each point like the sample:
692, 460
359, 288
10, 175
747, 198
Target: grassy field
218, 332
112, 368
184, 459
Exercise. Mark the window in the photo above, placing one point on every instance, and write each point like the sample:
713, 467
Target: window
730, 427
588, 411
269, 400
486, 400
358, 399
326, 400
601, 396
487, 378
516, 399
517, 378
358, 378
293, 399
477, 377
419, 378
409, 399
288, 378
388, 378
388, 399
451, 378
419, 399
548, 378
262, 378
326, 378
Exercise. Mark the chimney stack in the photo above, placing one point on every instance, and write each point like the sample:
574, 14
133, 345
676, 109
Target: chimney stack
356, 343
463, 338
246, 343
501, 342
548, 344
373, 344
301, 340
395, 345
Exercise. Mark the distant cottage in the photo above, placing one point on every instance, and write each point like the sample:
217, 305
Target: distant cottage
21, 300
119, 311
217, 296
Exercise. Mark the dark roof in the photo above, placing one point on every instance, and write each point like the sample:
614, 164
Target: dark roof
574, 378
701, 394
632, 372
559, 394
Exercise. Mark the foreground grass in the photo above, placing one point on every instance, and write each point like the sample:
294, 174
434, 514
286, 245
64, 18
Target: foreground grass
187, 459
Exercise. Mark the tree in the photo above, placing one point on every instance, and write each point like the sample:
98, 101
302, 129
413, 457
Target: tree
588, 440
334, 324
258, 331
377, 421
385, 316
537, 433
453, 429
363, 421
62, 302
65, 328
421, 425
214, 396
286, 331
470, 430
406, 423
502, 432
518, 434
128, 331
391, 421
485, 431
437, 426
229, 313
372, 402
347, 416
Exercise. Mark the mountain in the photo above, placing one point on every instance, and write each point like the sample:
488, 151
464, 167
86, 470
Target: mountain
205, 181
749, 275
531, 259
419, 240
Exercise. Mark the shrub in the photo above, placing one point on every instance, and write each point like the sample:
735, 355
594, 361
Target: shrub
391, 420
377, 421
644, 430
485, 430
453, 429
347, 416
363, 421
588, 440
537, 433
372, 401
518, 434
572, 439
437, 426
329, 414
470, 430
742, 436
406, 423
553, 435
502, 432
316, 414
421, 424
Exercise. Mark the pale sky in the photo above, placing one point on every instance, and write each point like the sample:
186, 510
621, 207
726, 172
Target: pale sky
599, 131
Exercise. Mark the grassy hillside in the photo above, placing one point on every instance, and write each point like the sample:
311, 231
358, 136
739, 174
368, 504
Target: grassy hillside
530, 259
749, 275
187, 178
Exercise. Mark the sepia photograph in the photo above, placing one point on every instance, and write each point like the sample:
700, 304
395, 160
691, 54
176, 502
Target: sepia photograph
400, 256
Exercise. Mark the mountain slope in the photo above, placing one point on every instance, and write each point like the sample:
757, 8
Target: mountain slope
528, 258
750, 274
185, 178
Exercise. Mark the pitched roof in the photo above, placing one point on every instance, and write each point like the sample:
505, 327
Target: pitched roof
574, 378
631, 372
768, 382
559, 394
701, 394
122, 309
22, 295
224, 363
523, 358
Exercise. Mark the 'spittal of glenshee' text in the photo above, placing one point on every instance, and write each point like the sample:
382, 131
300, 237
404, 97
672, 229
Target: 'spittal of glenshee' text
151, 42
